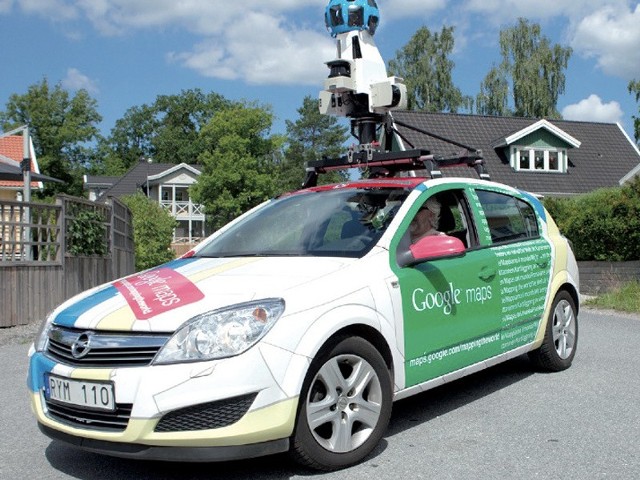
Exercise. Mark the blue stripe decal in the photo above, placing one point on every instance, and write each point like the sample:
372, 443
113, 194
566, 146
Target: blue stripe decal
38, 366
68, 317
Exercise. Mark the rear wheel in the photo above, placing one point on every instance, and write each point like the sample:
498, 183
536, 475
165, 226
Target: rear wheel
345, 406
561, 336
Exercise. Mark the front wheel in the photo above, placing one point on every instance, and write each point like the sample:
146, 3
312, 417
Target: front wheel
561, 336
345, 406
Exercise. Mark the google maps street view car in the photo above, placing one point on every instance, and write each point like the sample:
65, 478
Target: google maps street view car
296, 326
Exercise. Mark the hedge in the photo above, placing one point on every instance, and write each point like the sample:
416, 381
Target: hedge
603, 225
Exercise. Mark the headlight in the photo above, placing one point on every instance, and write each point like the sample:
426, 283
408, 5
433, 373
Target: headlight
221, 333
40, 342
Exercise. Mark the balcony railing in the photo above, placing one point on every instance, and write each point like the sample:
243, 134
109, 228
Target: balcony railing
183, 209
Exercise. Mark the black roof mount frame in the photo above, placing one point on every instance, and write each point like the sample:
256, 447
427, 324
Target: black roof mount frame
389, 164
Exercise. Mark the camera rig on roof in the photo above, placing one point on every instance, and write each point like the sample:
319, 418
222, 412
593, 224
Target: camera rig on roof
358, 88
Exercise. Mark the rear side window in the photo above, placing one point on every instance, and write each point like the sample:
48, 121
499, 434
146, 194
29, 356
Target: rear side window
509, 218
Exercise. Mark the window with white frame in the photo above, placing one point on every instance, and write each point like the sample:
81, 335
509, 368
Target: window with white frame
552, 160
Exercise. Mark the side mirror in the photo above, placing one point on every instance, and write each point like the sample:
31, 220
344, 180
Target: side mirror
430, 248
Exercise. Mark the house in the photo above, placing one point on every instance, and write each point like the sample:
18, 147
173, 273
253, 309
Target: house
546, 157
168, 184
11, 155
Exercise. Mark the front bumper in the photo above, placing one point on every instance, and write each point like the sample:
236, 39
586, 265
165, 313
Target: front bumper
172, 454
157, 393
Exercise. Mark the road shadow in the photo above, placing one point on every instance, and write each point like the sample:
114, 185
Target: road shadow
442, 400
407, 414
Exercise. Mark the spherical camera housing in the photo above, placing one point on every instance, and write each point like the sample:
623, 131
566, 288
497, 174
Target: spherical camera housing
342, 16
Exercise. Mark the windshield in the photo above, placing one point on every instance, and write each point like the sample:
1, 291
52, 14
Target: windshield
335, 223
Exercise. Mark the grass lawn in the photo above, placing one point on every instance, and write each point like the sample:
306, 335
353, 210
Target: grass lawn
625, 298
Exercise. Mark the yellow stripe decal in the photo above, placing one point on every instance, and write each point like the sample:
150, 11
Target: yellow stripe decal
123, 319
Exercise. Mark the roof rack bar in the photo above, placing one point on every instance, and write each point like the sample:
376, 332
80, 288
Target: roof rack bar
391, 163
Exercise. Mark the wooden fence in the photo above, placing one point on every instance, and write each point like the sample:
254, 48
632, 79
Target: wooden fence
38, 270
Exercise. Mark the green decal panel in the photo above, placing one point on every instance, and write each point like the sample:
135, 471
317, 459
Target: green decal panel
524, 270
461, 311
451, 315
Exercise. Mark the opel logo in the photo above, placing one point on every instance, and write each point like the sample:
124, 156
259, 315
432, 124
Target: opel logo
81, 346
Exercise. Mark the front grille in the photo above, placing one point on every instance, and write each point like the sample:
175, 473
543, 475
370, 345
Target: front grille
87, 348
92, 419
221, 413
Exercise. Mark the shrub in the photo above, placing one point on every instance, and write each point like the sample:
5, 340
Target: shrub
87, 234
152, 231
603, 225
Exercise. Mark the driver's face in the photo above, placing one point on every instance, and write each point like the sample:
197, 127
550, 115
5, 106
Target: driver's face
421, 223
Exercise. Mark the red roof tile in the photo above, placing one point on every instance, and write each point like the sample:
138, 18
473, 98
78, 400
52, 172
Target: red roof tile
11, 148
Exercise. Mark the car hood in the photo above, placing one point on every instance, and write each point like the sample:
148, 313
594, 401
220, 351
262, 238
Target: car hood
163, 298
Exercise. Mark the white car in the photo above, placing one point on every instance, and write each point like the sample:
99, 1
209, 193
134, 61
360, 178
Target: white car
297, 326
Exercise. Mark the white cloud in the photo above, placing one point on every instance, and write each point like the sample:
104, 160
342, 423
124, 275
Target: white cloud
76, 80
593, 110
5, 6
251, 40
501, 11
612, 35
394, 9
59, 10
205, 18
260, 50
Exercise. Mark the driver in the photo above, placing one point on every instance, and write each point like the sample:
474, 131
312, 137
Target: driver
426, 220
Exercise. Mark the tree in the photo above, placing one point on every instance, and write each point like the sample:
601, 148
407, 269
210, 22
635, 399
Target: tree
493, 98
152, 231
311, 137
536, 69
167, 131
238, 167
634, 88
61, 127
426, 68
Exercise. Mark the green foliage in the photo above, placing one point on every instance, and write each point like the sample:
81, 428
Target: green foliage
536, 69
493, 98
426, 68
603, 225
634, 88
87, 234
239, 170
152, 231
311, 137
60, 126
167, 131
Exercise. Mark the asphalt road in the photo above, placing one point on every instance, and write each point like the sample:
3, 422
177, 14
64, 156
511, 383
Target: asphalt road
508, 422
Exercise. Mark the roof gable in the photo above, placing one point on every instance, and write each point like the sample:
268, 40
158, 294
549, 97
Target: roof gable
528, 132
174, 170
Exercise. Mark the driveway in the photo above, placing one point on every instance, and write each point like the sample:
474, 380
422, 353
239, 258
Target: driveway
504, 423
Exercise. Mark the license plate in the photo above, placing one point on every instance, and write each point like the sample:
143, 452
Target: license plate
81, 393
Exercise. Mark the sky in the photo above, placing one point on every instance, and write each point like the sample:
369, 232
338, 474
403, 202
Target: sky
127, 52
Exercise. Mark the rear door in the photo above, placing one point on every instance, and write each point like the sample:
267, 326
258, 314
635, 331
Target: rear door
524, 260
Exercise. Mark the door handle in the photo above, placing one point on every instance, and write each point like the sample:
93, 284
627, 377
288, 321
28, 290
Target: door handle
487, 273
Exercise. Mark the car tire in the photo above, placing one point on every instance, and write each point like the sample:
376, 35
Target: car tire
561, 336
345, 406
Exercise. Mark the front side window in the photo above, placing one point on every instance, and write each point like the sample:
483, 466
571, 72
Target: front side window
336, 223
509, 218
